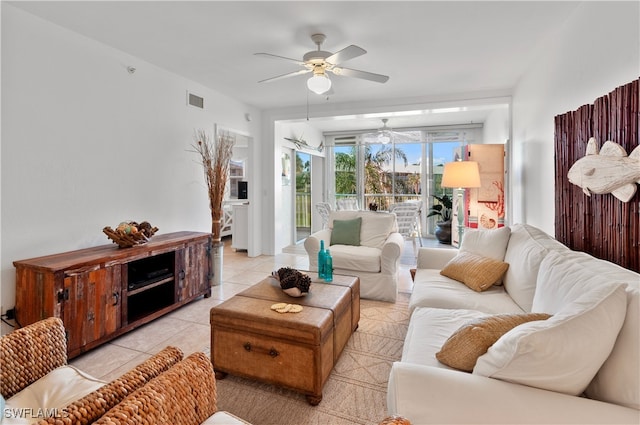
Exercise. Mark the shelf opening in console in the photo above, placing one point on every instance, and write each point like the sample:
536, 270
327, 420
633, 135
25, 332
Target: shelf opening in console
148, 271
147, 302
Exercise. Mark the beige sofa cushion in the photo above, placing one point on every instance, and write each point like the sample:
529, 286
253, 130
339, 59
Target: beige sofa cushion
477, 272
375, 228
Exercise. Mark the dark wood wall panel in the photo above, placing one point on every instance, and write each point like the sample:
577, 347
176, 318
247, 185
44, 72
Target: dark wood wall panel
601, 225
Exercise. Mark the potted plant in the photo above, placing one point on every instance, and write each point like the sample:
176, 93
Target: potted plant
443, 210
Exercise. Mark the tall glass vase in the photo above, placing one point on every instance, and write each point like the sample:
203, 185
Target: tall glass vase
217, 251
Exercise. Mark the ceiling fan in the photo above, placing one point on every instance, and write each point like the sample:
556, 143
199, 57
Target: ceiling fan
320, 62
385, 135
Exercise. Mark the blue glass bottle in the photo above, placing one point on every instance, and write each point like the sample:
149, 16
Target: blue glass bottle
321, 260
328, 267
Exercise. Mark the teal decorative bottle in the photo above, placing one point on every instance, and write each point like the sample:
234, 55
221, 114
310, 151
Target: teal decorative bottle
321, 260
328, 267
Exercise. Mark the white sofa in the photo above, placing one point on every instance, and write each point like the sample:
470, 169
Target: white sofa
375, 260
582, 365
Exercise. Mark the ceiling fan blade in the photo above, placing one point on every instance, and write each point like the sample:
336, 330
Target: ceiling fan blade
269, 55
345, 54
347, 72
287, 75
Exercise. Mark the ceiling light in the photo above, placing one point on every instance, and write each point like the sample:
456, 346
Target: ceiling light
319, 83
384, 137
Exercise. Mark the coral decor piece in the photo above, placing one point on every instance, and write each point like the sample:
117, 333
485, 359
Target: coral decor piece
130, 233
498, 206
215, 156
608, 170
292, 281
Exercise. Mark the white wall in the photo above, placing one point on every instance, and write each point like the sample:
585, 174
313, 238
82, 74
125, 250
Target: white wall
85, 144
284, 217
497, 126
596, 51
318, 191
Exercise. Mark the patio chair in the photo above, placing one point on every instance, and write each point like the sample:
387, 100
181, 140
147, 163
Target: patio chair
408, 218
347, 204
324, 209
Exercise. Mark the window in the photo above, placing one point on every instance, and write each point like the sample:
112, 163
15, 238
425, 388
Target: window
236, 174
407, 169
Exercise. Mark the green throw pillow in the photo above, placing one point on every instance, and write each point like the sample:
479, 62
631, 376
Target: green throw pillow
346, 232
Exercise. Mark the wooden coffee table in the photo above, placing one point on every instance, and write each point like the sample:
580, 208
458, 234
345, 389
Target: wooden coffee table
293, 350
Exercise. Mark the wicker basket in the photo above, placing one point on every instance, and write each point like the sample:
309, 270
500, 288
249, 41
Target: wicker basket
128, 239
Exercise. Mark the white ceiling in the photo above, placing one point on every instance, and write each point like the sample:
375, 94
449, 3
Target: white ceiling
428, 48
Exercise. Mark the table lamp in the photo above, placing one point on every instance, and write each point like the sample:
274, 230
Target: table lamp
461, 175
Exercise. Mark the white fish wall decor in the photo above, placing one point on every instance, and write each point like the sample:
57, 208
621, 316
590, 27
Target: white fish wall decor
608, 170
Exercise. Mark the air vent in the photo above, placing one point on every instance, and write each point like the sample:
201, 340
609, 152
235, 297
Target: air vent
195, 100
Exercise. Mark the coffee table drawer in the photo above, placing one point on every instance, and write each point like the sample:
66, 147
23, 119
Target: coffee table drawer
299, 367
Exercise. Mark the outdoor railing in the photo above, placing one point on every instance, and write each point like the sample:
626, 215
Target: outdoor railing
303, 210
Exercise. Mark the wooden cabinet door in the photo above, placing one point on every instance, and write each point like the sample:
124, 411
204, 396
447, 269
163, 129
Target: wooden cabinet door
192, 270
92, 305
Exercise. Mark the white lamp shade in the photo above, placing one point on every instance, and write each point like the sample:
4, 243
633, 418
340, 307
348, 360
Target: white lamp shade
464, 174
319, 84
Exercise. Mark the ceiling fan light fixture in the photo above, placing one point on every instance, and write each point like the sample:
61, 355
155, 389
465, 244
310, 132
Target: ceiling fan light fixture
319, 83
384, 138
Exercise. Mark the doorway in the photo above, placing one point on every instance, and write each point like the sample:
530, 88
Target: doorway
302, 195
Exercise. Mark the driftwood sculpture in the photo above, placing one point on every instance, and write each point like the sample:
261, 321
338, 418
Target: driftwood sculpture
608, 170
300, 143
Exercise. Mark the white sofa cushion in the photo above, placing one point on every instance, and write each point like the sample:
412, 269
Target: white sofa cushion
223, 418
357, 258
618, 380
526, 249
610, 384
562, 353
375, 228
565, 276
431, 395
429, 329
49, 395
488, 243
431, 289
473, 339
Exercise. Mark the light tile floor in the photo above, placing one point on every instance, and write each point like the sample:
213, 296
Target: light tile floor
188, 327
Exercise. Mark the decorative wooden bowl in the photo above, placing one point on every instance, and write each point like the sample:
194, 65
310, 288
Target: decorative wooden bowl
129, 234
294, 292
292, 282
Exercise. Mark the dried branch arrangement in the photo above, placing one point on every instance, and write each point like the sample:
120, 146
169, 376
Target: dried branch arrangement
215, 156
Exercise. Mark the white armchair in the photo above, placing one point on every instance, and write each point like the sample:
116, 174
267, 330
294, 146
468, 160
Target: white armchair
375, 260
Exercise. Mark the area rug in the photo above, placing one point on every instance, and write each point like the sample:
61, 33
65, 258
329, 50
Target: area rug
356, 390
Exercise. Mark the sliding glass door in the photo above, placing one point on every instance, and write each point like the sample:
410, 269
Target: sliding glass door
383, 174
303, 196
